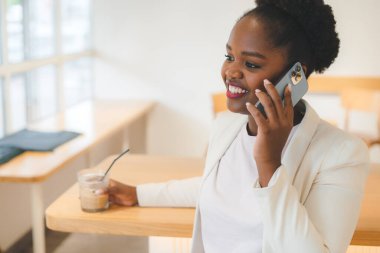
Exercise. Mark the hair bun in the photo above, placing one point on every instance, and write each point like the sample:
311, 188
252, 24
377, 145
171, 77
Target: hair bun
317, 20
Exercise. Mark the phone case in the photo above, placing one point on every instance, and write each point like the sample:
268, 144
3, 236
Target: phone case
296, 77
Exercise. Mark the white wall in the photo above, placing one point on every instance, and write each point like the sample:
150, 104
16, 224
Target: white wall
358, 25
172, 51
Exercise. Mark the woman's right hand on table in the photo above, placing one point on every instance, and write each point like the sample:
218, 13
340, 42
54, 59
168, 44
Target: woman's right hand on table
122, 194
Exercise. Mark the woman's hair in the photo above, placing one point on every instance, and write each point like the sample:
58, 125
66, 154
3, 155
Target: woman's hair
305, 27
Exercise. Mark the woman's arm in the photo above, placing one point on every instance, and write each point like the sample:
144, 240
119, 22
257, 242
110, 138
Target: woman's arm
174, 193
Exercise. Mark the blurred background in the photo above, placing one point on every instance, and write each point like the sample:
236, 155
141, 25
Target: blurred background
58, 53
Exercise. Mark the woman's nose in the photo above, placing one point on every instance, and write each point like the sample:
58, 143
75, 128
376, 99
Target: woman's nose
234, 73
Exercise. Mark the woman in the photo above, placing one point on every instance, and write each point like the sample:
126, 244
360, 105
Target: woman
284, 182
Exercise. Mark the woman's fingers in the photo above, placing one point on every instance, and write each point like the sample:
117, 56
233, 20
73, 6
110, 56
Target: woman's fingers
283, 109
277, 112
122, 194
122, 200
257, 115
275, 97
267, 103
288, 104
113, 187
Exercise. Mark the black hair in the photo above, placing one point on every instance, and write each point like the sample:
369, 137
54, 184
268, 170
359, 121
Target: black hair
305, 27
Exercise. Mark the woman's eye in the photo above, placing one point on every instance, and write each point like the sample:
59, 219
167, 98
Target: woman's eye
251, 65
229, 57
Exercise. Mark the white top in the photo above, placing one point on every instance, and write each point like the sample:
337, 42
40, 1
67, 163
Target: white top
231, 218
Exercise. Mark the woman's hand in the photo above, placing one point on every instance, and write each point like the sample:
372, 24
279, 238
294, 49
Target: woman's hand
272, 131
122, 194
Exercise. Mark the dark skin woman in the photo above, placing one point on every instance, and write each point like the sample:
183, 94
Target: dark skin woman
282, 180
250, 62
263, 45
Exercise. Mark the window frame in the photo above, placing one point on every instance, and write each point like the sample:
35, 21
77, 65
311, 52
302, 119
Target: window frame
7, 70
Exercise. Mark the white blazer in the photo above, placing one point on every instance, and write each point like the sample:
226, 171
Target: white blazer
312, 202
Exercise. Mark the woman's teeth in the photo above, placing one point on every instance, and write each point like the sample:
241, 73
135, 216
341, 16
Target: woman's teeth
236, 90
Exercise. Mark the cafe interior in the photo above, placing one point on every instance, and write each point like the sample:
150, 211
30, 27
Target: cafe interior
83, 81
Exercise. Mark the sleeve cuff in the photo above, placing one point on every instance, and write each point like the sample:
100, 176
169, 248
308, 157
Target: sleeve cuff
146, 194
272, 181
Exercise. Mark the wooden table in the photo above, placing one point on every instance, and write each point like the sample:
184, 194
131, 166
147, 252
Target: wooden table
174, 222
368, 229
131, 169
96, 121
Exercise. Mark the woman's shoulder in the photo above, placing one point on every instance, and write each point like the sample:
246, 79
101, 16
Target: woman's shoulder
330, 143
326, 130
339, 146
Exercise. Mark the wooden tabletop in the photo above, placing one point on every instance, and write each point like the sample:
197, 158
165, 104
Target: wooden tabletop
95, 120
368, 229
65, 213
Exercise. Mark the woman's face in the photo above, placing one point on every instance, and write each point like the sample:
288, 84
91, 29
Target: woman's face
250, 59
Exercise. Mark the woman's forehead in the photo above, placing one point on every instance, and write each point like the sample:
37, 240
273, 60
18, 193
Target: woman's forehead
249, 33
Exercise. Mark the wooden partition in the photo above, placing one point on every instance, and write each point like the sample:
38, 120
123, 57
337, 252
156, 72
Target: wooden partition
317, 84
335, 84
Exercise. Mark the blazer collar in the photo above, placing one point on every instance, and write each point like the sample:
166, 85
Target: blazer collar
228, 126
293, 154
300, 141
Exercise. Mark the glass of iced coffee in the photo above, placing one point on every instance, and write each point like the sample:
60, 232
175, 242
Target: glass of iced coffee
93, 190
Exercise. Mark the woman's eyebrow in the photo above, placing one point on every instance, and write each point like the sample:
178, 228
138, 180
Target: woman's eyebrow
249, 53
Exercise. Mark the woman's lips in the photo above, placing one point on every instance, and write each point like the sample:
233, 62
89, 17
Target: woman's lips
235, 91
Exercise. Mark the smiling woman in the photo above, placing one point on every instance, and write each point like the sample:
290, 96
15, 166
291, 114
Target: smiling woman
285, 181
247, 61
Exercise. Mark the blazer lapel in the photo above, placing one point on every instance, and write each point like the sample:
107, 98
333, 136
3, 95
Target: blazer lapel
300, 142
223, 137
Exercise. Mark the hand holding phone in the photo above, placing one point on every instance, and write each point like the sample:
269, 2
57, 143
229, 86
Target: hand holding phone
297, 79
273, 131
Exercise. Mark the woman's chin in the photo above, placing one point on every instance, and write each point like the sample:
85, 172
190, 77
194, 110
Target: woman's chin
237, 108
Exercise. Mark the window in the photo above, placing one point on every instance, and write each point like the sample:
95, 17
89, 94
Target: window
1, 39
15, 30
41, 93
17, 98
77, 84
75, 25
45, 59
30, 27
1, 109
40, 29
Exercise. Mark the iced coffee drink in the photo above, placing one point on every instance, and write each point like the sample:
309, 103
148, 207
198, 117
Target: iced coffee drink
93, 190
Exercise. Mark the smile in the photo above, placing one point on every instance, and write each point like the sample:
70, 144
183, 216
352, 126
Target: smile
235, 92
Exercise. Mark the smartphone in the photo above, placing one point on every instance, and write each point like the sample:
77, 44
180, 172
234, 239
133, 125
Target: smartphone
297, 79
